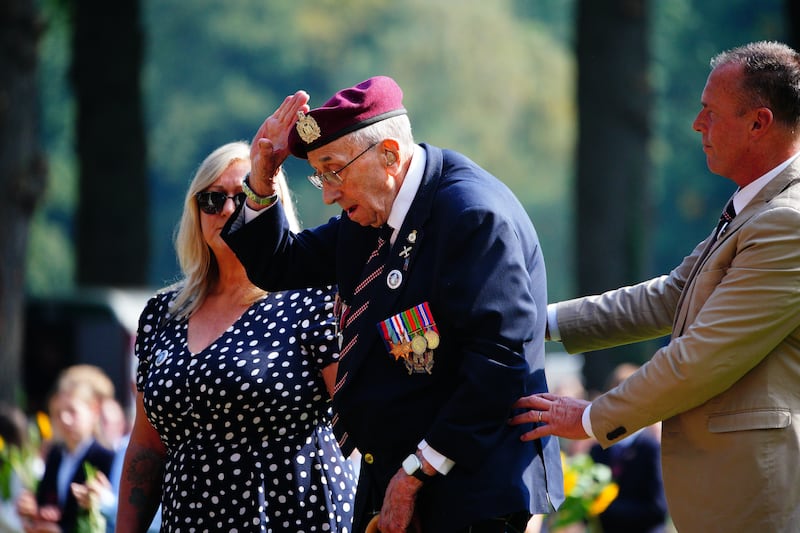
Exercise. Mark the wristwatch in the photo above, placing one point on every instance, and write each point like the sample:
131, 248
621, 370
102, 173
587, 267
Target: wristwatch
263, 201
412, 465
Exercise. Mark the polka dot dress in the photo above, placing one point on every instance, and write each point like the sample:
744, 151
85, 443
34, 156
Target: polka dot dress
246, 422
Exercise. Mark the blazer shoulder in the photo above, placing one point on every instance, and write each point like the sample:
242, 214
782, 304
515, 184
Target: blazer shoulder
100, 457
782, 212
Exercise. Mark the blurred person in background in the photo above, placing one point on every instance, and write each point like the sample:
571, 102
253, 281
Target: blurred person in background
113, 423
232, 428
105, 490
113, 428
635, 462
13, 433
75, 414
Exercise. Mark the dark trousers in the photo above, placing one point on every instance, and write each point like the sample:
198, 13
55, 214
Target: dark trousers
513, 523
369, 504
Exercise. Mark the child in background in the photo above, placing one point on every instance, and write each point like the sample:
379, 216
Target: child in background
75, 414
13, 425
114, 434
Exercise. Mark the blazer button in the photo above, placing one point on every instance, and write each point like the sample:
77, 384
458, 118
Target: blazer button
616, 433
368, 458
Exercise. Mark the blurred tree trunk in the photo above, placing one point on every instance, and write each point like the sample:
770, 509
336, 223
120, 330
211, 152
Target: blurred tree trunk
113, 207
613, 171
22, 175
793, 23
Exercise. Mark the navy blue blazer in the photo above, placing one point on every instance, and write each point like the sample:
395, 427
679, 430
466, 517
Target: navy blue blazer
47, 489
467, 248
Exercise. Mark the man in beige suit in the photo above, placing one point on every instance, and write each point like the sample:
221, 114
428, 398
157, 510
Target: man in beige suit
727, 386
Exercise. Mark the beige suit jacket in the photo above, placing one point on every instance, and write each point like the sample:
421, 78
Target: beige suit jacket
727, 385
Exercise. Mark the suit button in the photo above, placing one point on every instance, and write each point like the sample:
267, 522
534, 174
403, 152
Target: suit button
616, 433
368, 458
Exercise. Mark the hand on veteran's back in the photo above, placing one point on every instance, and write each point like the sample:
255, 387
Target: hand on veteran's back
552, 415
270, 146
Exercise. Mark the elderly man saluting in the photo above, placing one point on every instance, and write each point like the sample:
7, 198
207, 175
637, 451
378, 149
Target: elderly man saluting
442, 308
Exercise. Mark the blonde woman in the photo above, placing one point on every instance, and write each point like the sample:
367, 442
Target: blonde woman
232, 428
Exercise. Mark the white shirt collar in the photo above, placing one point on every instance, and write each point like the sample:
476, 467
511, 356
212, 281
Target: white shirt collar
747, 193
408, 190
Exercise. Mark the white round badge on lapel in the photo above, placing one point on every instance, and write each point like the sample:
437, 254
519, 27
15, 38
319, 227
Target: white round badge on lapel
394, 279
161, 356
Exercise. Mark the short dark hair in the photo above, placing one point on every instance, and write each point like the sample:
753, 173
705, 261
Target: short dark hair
771, 77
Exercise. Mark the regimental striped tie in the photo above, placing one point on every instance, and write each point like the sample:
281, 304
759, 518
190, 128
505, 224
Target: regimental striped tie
724, 219
373, 268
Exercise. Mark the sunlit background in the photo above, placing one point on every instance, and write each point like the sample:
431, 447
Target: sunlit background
494, 80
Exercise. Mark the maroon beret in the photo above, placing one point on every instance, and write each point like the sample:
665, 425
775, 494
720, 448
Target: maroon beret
351, 109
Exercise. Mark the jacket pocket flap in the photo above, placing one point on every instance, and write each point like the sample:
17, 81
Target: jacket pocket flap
747, 420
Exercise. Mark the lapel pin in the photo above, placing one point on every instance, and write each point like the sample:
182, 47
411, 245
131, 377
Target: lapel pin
161, 356
394, 279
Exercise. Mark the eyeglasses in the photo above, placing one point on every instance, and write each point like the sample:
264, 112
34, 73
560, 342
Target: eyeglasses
213, 202
332, 177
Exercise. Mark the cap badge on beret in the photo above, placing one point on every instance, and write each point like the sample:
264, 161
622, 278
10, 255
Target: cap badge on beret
307, 128
371, 101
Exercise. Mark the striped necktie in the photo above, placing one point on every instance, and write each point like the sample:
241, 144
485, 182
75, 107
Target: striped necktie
724, 219
349, 321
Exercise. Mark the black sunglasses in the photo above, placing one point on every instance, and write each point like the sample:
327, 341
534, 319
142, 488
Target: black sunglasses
213, 202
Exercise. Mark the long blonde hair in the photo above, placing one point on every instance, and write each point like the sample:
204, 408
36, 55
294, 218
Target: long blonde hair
197, 261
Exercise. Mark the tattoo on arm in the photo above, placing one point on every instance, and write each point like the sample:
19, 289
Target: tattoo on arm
144, 474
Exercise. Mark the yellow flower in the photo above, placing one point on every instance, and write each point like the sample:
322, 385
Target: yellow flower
2, 444
588, 491
571, 478
45, 429
604, 499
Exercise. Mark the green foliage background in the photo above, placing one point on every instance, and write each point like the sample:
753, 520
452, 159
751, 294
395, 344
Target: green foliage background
494, 80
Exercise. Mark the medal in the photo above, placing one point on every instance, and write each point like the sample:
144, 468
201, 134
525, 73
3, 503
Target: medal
420, 363
432, 339
411, 335
419, 345
400, 350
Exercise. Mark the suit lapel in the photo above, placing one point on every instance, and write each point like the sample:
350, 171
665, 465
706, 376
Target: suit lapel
680, 317
787, 178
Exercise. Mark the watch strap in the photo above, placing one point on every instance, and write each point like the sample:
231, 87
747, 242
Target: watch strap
420, 474
413, 467
263, 201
